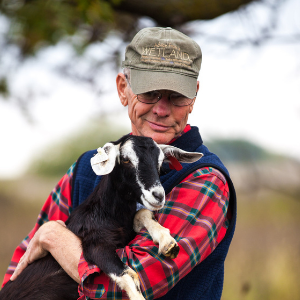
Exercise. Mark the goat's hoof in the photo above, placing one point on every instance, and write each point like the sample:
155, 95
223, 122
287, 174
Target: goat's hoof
172, 251
167, 244
169, 247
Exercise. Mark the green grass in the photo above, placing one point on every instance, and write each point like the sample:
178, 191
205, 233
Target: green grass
264, 261
17, 218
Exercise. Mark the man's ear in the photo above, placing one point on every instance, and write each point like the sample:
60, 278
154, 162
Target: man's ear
181, 155
121, 88
104, 161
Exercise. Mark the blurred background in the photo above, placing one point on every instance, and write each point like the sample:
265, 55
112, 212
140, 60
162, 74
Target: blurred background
58, 63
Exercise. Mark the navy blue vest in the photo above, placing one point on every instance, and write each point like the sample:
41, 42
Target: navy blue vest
205, 281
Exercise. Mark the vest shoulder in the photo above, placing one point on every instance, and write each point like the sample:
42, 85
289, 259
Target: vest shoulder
83, 163
84, 178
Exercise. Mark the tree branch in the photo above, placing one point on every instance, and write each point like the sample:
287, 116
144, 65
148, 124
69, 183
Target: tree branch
176, 12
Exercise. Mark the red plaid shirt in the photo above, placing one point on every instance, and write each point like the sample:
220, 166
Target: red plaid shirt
196, 214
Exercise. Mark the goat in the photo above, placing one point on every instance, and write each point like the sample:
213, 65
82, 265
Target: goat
107, 219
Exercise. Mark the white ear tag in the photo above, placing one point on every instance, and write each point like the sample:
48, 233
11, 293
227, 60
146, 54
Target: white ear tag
96, 160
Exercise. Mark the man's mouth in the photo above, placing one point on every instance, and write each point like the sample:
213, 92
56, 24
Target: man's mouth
158, 127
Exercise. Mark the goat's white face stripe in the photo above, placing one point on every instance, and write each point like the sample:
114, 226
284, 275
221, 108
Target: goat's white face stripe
148, 199
127, 151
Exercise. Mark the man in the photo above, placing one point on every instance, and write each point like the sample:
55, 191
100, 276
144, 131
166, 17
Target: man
159, 86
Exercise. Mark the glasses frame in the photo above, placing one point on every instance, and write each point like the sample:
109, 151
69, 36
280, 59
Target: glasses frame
160, 95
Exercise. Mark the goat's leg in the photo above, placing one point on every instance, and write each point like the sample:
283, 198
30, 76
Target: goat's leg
108, 261
160, 235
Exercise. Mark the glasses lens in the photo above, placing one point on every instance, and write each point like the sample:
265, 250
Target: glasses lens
149, 97
180, 100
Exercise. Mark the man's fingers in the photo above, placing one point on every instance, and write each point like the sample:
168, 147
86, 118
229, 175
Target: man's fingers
20, 267
34, 250
61, 223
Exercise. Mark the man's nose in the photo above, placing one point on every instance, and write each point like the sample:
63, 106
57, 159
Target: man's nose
163, 107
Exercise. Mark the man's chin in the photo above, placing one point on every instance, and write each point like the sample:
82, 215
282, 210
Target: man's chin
161, 137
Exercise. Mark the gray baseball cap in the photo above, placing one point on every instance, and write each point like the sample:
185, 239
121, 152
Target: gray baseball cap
163, 59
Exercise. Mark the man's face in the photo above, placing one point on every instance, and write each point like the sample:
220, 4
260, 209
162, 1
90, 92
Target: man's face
161, 121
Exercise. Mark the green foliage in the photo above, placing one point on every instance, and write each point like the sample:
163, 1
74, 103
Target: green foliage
238, 150
4, 91
56, 160
38, 23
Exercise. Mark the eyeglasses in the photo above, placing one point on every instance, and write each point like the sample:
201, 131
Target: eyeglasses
153, 97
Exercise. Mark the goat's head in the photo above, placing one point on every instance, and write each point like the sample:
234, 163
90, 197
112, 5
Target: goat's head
142, 159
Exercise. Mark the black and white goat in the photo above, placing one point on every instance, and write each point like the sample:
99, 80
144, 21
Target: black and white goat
105, 221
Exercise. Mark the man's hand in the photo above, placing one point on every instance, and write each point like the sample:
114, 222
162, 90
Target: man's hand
55, 238
34, 251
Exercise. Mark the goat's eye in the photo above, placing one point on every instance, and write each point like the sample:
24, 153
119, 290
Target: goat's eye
125, 161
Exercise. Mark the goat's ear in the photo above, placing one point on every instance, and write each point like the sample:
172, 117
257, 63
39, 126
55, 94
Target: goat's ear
181, 155
104, 161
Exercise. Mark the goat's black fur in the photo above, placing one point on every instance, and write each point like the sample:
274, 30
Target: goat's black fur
104, 222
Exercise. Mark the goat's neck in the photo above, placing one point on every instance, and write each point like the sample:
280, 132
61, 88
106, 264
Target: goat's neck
117, 199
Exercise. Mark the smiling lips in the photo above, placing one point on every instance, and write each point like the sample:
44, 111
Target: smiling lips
158, 127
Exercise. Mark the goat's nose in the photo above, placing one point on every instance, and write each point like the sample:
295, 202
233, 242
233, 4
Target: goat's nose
158, 196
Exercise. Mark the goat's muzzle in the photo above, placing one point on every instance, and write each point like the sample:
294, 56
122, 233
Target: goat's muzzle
154, 198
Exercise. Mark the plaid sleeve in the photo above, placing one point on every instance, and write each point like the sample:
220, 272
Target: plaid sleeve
196, 214
57, 207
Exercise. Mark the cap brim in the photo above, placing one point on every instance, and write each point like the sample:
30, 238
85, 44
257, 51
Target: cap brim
142, 81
